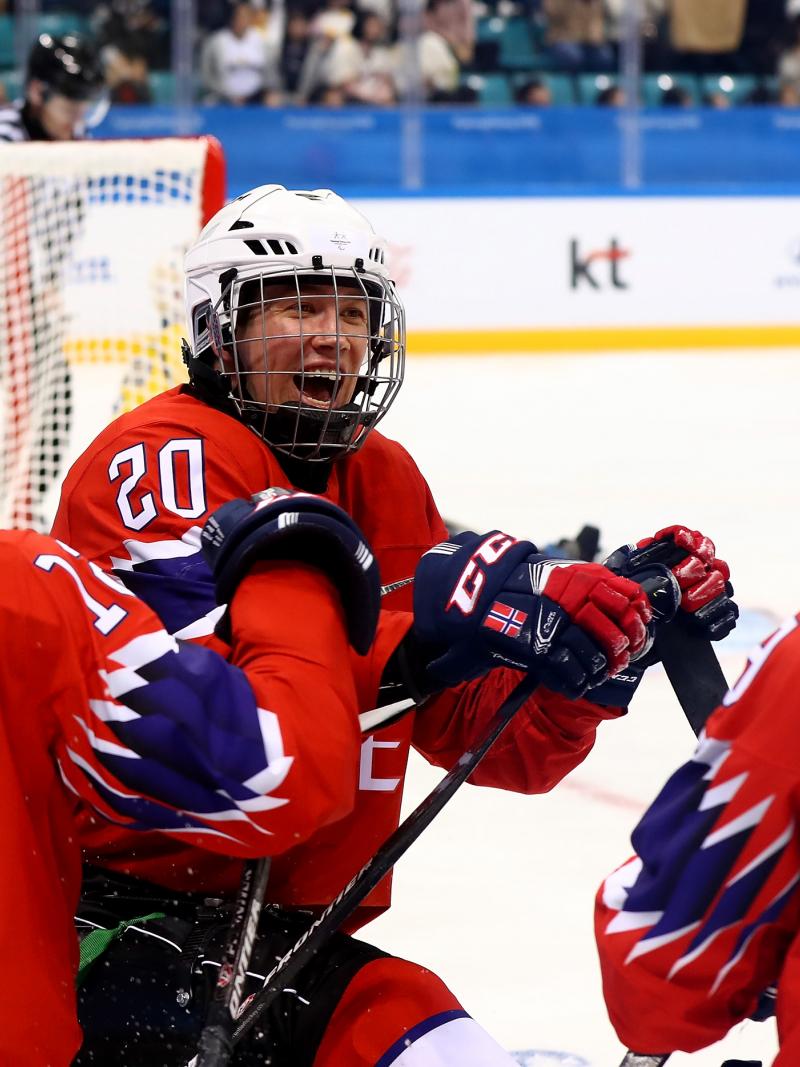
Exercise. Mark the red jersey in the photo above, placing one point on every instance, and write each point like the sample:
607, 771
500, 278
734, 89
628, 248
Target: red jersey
136, 501
707, 915
109, 720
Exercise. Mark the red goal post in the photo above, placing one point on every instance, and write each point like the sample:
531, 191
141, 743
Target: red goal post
92, 239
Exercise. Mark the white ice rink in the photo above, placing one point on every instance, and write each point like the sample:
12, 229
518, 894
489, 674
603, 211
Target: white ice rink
497, 895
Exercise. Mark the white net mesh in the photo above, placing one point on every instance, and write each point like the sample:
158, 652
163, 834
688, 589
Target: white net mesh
92, 238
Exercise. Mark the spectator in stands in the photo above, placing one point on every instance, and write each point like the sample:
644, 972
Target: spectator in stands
127, 74
576, 34
707, 34
534, 93
455, 21
65, 92
656, 52
327, 96
387, 9
270, 22
142, 26
789, 62
235, 65
789, 95
335, 19
676, 96
361, 64
426, 58
760, 95
716, 99
212, 15
709, 27
764, 34
294, 52
610, 96
316, 41
651, 12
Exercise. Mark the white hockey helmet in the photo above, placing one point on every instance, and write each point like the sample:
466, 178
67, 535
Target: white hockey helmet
274, 240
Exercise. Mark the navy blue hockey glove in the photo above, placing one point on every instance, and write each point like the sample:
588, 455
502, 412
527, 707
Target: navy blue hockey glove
481, 601
279, 524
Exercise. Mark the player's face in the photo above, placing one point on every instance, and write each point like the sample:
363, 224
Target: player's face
305, 343
63, 119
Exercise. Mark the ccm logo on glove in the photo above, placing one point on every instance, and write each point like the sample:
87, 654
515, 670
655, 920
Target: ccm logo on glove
470, 585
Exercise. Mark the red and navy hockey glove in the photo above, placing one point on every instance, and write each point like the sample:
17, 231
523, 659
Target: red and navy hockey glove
280, 524
664, 596
703, 591
704, 580
485, 600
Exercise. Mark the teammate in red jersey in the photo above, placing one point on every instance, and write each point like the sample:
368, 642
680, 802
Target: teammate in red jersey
297, 352
107, 718
706, 917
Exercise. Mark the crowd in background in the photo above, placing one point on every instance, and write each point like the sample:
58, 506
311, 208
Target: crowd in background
379, 52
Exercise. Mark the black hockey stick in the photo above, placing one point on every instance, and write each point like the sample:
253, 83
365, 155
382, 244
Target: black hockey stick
379, 865
696, 677
636, 1059
215, 1047
693, 670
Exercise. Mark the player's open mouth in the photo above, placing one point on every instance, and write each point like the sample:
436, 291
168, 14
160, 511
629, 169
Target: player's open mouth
317, 388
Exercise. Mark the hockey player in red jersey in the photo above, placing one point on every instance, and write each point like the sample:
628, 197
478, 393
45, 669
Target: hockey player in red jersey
694, 929
106, 718
297, 352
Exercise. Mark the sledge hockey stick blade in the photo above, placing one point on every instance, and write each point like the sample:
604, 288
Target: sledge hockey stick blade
692, 668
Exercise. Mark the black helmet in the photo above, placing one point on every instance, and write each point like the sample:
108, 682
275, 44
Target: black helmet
68, 65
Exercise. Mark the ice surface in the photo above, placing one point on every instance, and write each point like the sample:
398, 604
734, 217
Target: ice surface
497, 895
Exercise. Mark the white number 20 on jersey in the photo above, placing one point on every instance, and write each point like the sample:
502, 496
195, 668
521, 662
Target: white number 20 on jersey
189, 503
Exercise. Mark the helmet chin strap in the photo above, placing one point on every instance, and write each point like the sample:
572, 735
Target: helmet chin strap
307, 434
327, 433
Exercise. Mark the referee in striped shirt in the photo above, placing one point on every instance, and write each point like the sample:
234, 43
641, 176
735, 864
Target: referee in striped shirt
65, 92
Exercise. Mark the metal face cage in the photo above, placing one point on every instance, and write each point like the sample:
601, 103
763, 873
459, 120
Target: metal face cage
314, 356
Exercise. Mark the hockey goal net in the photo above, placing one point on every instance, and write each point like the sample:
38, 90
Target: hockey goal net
92, 239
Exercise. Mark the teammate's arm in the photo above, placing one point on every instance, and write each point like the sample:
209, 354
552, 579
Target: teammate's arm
243, 761
706, 916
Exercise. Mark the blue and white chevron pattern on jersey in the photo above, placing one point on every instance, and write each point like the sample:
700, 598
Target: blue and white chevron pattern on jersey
179, 743
172, 577
688, 880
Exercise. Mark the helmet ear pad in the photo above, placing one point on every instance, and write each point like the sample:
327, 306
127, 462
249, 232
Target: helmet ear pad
214, 338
